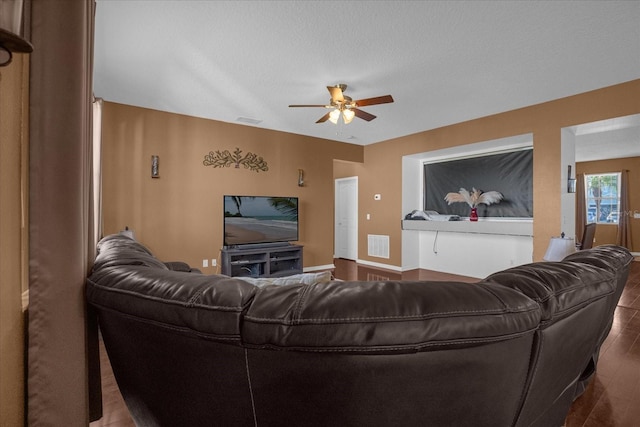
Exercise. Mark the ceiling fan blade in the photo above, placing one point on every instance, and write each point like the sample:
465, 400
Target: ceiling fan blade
374, 101
323, 118
336, 93
363, 114
311, 105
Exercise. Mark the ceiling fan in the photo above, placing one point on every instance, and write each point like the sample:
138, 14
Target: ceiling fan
342, 104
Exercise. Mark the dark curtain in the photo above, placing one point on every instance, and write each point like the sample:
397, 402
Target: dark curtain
623, 236
508, 173
581, 207
60, 240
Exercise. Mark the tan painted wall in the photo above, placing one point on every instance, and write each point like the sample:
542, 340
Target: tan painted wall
179, 215
14, 95
342, 169
606, 233
383, 165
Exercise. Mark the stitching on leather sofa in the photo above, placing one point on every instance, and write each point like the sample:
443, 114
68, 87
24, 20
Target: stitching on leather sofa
253, 403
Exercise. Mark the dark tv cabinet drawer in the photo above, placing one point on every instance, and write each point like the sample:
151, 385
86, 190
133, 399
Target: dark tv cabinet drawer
262, 261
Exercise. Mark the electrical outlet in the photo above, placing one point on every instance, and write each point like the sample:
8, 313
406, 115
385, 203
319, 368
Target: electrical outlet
214, 262
205, 263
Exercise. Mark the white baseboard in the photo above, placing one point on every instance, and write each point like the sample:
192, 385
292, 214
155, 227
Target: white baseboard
379, 265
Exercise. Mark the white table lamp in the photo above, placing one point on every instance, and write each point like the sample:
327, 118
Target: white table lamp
559, 247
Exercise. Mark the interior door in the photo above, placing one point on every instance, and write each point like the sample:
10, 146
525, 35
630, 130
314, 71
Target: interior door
346, 218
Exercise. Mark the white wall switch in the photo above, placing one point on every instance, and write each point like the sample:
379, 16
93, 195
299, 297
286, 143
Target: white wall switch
214, 262
205, 263
368, 216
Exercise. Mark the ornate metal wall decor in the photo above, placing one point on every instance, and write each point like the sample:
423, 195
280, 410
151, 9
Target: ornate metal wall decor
224, 159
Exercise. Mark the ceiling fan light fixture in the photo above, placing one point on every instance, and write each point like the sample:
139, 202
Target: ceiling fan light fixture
334, 116
348, 115
346, 106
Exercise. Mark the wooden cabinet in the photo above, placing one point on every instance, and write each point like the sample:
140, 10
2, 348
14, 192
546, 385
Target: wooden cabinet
273, 261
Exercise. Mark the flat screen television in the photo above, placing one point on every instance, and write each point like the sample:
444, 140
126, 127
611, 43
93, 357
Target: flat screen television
250, 220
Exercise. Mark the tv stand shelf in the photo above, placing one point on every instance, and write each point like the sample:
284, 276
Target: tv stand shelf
272, 261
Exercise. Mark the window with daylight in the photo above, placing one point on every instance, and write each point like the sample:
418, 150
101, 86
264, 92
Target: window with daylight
602, 198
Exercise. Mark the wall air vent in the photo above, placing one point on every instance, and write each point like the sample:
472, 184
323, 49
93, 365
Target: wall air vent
378, 246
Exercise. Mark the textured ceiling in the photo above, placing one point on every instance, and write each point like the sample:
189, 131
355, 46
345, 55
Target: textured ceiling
443, 62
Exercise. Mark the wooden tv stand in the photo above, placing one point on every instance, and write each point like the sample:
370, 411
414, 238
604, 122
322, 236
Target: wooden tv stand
267, 261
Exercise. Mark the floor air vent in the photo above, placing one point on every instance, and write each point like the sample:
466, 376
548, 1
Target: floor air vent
378, 246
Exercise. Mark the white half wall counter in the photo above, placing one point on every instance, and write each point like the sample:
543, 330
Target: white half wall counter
474, 249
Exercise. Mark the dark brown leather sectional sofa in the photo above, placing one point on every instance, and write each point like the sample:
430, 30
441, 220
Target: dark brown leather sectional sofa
513, 349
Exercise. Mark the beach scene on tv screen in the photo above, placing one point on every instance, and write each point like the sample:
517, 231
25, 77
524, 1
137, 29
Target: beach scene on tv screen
250, 219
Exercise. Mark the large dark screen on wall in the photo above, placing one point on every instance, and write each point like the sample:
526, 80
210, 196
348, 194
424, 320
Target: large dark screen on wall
508, 173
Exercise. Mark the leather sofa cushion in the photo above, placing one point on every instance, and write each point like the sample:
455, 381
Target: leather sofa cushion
206, 305
126, 278
559, 287
119, 249
386, 316
605, 256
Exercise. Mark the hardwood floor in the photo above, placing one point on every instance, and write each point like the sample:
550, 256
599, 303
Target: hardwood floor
114, 410
611, 400
349, 270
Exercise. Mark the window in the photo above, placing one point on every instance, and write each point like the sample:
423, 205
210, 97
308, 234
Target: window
602, 198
